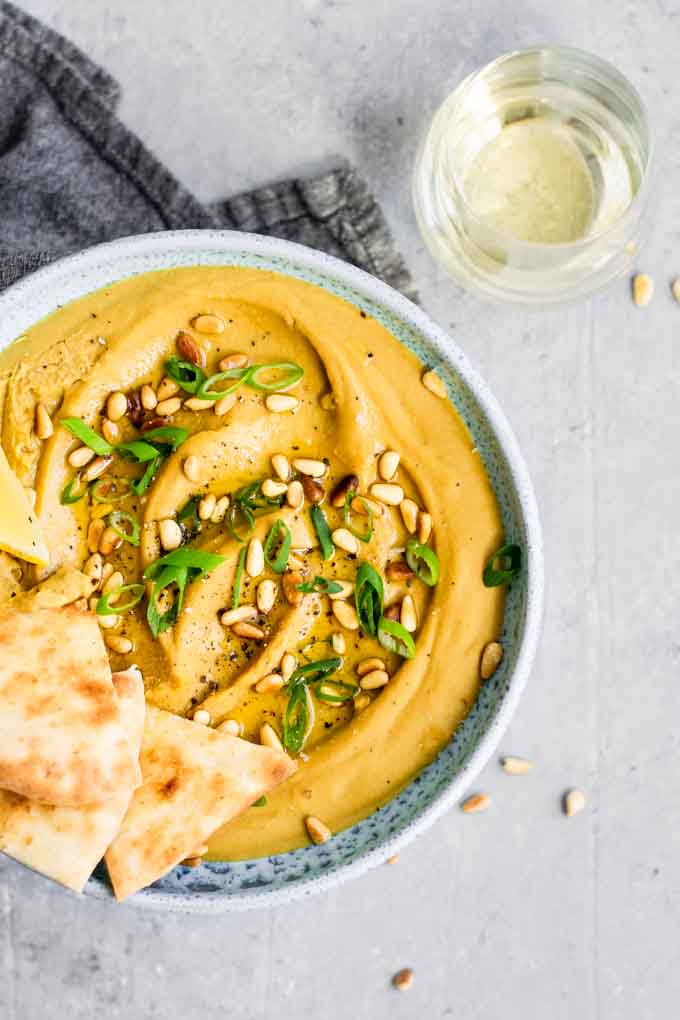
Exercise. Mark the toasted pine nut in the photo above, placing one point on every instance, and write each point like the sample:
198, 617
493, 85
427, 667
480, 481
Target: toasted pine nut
188, 349
148, 397
232, 727
361, 701
408, 616
338, 643
116, 406
350, 483
434, 384
288, 666
516, 766
248, 631
272, 489
368, 665
327, 402
94, 534
110, 431
43, 423
281, 466
492, 656
93, 567
375, 679
409, 515
192, 862
109, 542
643, 289
208, 323
109, 621
318, 832
675, 290
192, 468
346, 615
224, 404
314, 468
477, 802
202, 716
295, 495
289, 582
403, 979
388, 464
393, 859
107, 570
266, 595
398, 570
196, 404
206, 507
169, 407
118, 643
255, 558
346, 590
360, 504
236, 360
424, 526
269, 683
113, 581
238, 615
170, 534
96, 468
80, 457
345, 540
221, 507
280, 403
574, 802
167, 388
270, 738
387, 492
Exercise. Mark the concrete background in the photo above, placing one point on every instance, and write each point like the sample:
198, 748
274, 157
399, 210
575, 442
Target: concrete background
517, 913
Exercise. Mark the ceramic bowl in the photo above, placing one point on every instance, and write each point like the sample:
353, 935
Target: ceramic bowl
219, 886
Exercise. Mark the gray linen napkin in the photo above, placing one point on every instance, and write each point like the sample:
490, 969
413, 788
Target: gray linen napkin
72, 175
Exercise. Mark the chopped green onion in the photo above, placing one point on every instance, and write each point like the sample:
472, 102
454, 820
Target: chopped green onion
140, 485
87, 436
193, 559
314, 670
171, 435
396, 638
320, 584
260, 802
423, 561
188, 514
505, 564
104, 606
292, 374
363, 536
234, 515
298, 718
110, 490
238, 577
323, 532
185, 373
335, 692
204, 391
120, 517
369, 597
138, 451
73, 491
279, 535
160, 622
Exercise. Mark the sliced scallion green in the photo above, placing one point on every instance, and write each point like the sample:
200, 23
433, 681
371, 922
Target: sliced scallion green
363, 535
335, 692
298, 718
118, 519
291, 375
205, 391
87, 436
185, 373
321, 585
73, 491
238, 578
110, 490
323, 532
369, 597
423, 561
277, 546
140, 485
503, 566
396, 638
138, 451
104, 607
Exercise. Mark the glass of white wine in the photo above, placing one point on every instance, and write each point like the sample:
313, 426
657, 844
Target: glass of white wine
531, 182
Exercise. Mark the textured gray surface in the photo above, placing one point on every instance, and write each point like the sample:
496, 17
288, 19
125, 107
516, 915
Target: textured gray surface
517, 913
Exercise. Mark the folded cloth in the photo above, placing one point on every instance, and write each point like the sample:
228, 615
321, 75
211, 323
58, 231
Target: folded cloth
72, 175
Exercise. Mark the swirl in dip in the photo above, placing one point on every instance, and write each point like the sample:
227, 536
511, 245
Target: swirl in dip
360, 732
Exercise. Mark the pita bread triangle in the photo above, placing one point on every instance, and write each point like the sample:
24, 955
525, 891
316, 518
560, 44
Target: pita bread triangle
194, 780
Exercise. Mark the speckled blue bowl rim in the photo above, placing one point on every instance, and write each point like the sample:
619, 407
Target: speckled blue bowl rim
218, 886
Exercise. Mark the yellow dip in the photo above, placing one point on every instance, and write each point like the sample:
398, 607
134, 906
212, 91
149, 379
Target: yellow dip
118, 339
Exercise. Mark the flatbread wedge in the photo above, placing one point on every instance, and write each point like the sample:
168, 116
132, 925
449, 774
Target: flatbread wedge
66, 843
194, 780
62, 740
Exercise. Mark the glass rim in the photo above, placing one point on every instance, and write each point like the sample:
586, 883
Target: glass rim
611, 76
